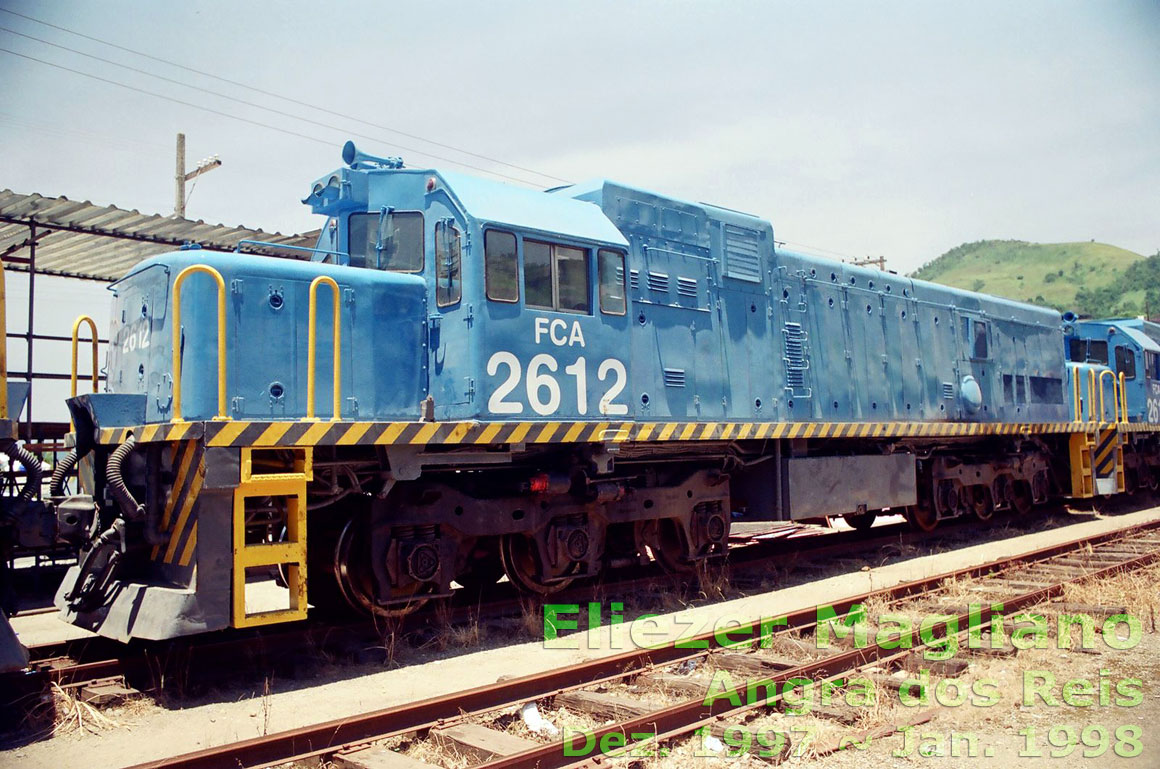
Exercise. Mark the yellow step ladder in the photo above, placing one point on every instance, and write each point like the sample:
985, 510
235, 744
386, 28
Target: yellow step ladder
266, 473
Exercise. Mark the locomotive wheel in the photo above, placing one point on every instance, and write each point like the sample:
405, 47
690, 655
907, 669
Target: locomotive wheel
522, 565
667, 546
1021, 501
981, 503
356, 580
922, 517
1153, 479
860, 521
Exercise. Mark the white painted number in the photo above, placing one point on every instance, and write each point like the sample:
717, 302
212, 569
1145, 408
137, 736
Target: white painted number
538, 381
606, 404
579, 369
543, 389
496, 404
137, 340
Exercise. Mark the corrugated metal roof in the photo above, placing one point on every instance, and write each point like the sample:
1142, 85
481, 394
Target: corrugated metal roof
80, 239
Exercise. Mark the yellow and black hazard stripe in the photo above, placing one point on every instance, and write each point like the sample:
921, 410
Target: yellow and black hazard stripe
177, 518
1137, 427
316, 433
1105, 456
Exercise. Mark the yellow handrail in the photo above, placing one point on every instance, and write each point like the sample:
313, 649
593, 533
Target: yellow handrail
313, 343
221, 338
1077, 409
1115, 395
76, 330
1092, 394
1123, 399
3, 349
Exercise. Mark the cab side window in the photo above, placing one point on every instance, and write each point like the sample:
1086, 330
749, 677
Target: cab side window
1152, 365
448, 283
1125, 362
979, 348
556, 277
1097, 352
391, 241
501, 271
610, 266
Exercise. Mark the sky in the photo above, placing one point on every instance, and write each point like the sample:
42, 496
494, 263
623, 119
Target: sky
896, 129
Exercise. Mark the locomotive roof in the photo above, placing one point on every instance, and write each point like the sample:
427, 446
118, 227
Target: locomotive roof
1133, 328
597, 189
531, 209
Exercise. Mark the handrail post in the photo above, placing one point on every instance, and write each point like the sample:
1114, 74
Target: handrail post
1115, 394
1091, 394
221, 339
3, 347
76, 329
1123, 399
311, 354
1075, 394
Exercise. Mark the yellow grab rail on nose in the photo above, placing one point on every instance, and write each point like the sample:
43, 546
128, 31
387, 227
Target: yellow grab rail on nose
313, 343
76, 330
1123, 399
1077, 404
221, 339
3, 349
1092, 395
1115, 395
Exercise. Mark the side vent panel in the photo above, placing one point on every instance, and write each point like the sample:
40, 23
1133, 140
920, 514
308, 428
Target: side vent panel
797, 360
742, 254
674, 377
658, 281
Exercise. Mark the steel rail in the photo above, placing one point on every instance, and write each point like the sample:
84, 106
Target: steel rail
683, 718
346, 733
49, 658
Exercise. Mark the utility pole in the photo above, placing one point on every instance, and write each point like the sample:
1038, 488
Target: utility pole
182, 178
878, 260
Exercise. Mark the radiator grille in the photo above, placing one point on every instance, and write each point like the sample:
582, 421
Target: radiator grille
742, 254
687, 287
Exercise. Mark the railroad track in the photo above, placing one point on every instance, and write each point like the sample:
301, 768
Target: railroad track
103, 671
88, 662
457, 721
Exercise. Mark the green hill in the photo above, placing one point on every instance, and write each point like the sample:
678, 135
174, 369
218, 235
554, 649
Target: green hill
1091, 278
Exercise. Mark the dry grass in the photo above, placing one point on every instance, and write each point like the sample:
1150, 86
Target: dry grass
1135, 591
464, 634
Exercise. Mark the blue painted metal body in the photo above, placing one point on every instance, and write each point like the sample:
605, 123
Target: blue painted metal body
1122, 345
266, 332
717, 324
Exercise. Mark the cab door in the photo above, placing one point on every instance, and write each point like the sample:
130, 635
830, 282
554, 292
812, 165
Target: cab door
1151, 412
450, 314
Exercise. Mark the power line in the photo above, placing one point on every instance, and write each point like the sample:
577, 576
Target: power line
820, 250
259, 106
168, 98
292, 100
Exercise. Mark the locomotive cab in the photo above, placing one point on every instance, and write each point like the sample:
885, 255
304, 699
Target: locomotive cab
1132, 359
525, 293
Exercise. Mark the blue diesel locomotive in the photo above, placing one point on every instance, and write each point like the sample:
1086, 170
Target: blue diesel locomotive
469, 380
